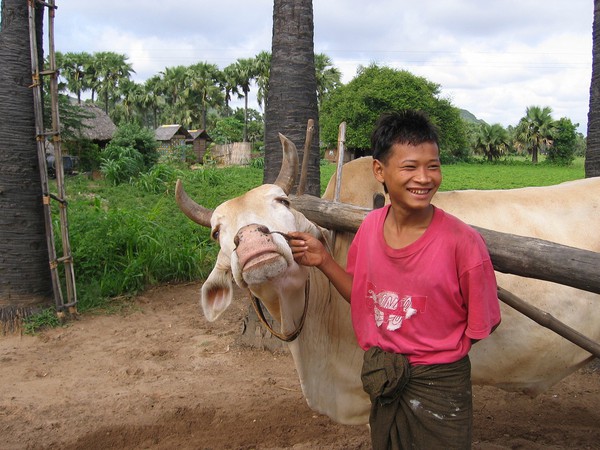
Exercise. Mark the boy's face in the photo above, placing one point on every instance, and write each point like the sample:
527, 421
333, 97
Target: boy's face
412, 174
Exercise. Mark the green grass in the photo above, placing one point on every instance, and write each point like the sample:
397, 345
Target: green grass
509, 174
128, 237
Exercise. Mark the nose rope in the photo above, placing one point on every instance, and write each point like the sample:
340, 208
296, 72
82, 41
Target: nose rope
256, 304
287, 237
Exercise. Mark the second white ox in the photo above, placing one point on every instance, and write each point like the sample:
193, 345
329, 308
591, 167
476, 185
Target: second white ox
520, 355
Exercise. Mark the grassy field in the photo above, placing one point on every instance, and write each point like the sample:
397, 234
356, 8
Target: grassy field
125, 238
502, 175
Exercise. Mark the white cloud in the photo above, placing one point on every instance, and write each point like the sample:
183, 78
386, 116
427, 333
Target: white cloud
492, 58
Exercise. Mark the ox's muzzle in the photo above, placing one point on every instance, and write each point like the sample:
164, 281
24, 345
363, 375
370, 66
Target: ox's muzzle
260, 255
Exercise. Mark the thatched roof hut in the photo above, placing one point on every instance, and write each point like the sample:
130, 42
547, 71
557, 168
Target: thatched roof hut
168, 133
99, 127
171, 136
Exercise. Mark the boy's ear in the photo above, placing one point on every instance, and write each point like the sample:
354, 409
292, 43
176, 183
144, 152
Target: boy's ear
378, 170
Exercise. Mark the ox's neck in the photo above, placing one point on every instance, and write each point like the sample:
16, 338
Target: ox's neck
327, 357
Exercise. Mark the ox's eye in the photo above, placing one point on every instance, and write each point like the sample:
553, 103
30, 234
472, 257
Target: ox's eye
215, 234
284, 201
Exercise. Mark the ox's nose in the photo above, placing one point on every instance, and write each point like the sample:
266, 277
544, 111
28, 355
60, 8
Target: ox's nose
250, 231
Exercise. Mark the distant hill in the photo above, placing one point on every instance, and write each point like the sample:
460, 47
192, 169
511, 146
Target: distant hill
469, 116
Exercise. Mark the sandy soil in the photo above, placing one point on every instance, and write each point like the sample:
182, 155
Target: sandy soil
159, 376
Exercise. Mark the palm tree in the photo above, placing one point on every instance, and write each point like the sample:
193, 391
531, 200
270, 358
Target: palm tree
73, 68
203, 79
244, 71
535, 130
262, 62
592, 154
328, 77
229, 86
111, 68
292, 95
172, 86
25, 283
152, 99
491, 140
131, 95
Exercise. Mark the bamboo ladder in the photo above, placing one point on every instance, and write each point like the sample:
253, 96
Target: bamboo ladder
69, 304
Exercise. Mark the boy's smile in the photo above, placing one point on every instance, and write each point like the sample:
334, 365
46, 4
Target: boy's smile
411, 174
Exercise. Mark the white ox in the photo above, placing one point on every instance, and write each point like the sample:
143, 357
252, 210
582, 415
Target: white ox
520, 355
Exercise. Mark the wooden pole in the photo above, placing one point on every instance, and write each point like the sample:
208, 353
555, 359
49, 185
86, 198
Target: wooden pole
41, 153
523, 256
547, 320
340, 161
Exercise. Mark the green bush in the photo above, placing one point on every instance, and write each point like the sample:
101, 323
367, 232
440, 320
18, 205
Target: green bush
87, 152
121, 164
141, 139
158, 179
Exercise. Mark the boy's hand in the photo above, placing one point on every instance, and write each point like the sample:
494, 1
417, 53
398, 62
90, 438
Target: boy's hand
307, 250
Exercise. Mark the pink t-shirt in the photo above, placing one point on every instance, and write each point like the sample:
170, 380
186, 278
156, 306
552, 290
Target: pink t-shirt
428, 299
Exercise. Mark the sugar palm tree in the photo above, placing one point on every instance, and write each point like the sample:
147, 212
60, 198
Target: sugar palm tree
172, 87
328, 77
203, 81
151, 99
111, 68
73, 68
262, 62
292, 95
244, 70
535, 130
25, 282
229, 86
592, 154
491, 140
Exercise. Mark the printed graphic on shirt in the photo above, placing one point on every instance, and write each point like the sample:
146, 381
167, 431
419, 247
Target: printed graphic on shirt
391, 309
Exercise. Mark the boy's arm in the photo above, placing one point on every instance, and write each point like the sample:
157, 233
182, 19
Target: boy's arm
309, 251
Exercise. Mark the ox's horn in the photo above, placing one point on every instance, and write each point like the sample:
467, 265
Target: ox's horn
190, 208
289, 165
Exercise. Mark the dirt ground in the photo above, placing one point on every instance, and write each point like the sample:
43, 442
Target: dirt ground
159, 376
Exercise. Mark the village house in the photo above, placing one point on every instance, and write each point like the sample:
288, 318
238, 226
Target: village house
170, 137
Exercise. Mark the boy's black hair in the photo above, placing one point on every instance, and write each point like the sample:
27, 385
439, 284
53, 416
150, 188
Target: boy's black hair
401, 127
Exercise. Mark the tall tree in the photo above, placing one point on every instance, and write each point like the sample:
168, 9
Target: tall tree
292, 94
244, 70
262, 63
328, 77
376, 90
111, 69
535, 131
204, 83
592, 154
25, 281
73, 68
229, 86
151, 98
491, 140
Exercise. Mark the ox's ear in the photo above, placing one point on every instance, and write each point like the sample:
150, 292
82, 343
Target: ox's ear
216, 294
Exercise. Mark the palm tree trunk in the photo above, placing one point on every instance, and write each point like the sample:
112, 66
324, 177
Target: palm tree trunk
592, 154
292, 91
25, 282
245, 136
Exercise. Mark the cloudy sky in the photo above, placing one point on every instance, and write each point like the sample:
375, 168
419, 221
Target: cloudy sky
493, 58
